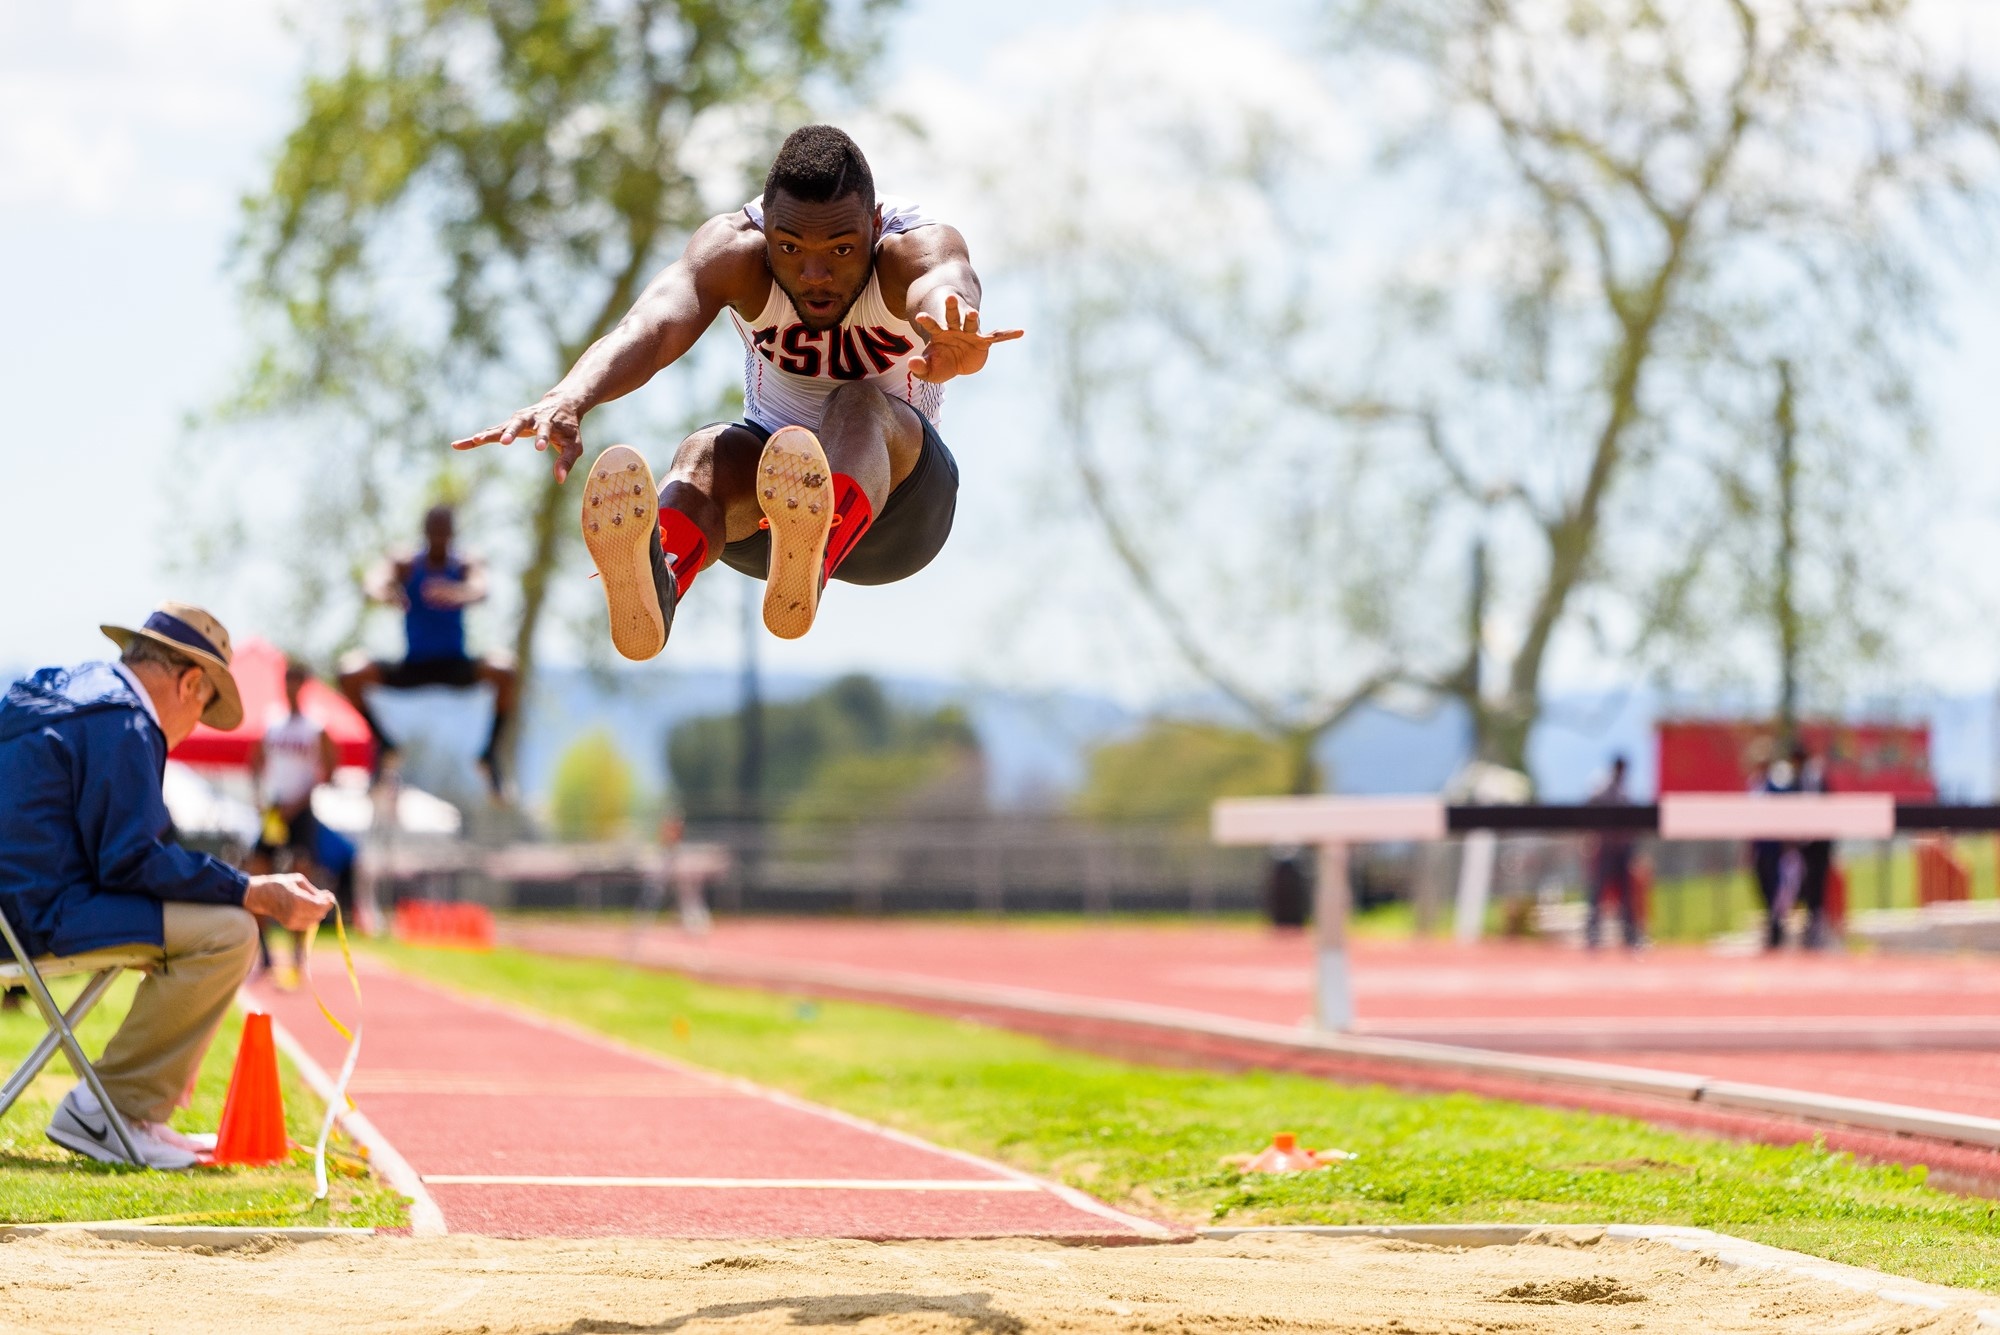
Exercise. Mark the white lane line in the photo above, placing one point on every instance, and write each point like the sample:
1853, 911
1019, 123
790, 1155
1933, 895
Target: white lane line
734, 1183
426, 1220
1071, 1196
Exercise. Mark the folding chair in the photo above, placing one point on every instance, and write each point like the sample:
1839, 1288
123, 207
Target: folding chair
104, 966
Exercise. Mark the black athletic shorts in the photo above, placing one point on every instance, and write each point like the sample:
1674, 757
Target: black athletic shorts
408, 675
903, 539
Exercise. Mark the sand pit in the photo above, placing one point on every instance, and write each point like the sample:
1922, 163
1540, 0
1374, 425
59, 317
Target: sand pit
63, 1283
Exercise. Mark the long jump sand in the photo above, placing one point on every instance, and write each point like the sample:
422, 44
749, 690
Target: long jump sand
428, 1286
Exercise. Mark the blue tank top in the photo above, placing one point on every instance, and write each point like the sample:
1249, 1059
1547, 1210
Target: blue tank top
433, 632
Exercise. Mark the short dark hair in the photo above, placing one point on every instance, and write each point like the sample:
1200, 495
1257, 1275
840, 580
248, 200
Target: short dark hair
819, 164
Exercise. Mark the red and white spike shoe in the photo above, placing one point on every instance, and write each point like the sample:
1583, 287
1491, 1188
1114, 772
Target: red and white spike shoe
621, 527
795, 491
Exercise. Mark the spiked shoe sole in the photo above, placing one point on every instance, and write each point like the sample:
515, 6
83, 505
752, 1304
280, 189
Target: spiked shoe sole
620, 511
795, 490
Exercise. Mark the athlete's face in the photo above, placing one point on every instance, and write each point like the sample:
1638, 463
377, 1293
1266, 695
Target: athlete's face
821, 254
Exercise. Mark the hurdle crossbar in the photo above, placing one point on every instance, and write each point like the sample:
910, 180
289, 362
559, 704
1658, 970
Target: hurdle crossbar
1366, 820
1333, 824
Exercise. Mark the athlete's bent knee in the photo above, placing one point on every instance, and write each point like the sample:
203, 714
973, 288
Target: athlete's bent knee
856, 396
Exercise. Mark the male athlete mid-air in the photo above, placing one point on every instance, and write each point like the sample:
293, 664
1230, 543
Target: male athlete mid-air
853, 314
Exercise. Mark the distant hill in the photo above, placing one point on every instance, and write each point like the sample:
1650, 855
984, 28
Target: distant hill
1034, 744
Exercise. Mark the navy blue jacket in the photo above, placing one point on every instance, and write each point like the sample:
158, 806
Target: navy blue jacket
84, 858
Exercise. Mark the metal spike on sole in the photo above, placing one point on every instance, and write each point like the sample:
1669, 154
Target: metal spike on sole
620, 486
797, 499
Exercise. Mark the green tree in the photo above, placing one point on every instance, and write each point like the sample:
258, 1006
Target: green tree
844, 752
1677, 215
1172, 772
472, 193
1543, 320
593, 793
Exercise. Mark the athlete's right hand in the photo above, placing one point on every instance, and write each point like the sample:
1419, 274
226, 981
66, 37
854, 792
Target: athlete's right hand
554, 423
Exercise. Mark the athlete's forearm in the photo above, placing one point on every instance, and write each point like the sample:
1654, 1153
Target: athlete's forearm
620, 362
930, 291
380, 584
674, 310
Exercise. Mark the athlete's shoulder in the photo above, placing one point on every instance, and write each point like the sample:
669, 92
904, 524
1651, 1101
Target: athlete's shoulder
904, 256
727, 254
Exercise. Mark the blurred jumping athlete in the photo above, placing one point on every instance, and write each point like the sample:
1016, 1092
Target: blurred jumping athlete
853, 313
433, 586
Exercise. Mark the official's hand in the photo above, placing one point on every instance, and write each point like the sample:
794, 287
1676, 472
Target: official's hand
554, 423
289, 900
956, 346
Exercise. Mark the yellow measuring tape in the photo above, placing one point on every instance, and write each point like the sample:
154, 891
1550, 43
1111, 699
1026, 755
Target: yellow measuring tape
337, 1104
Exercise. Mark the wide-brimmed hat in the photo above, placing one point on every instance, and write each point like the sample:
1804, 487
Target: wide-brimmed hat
188, 630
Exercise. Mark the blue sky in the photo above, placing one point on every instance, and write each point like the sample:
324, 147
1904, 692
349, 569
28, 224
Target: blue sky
128, 128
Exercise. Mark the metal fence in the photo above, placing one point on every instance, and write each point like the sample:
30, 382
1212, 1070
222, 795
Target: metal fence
988, 866
1002, 866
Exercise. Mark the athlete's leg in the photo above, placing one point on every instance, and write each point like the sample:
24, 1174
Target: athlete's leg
820, 494
713, 483
648, 545
355, 679
501, 677
872, 438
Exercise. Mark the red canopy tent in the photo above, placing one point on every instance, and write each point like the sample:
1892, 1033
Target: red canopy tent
259, 670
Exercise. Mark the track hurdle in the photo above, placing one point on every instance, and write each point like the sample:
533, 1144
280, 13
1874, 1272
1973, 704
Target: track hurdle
1332, 825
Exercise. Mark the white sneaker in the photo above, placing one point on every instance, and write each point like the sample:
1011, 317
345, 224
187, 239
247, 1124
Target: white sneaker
80, 1125
194, 1142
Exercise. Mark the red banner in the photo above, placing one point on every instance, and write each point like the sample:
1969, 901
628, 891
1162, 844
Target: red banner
1723, 757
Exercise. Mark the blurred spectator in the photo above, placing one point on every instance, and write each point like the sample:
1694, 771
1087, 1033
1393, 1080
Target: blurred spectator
293, 757
1777, 877
1815, 859
1287, 888
1612, 871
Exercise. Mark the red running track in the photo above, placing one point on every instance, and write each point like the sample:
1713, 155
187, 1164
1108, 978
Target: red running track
1919, 1030
477, 1098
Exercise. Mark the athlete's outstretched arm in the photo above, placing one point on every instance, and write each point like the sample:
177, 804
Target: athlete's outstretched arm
441, 592
384, 582
673, 311
943, 303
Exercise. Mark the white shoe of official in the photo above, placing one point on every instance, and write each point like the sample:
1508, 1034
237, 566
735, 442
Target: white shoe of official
80, 1125
194, 1142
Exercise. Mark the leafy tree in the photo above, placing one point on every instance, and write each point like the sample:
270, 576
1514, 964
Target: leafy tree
1173, 771
1663, 220
472, 193
1542, 322
843, 752
594, 790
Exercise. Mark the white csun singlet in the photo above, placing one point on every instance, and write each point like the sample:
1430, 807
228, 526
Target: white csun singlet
291, 759
789, 370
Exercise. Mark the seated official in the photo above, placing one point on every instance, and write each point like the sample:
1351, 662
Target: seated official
85, 864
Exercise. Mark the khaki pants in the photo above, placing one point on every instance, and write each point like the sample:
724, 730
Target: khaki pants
150, 1061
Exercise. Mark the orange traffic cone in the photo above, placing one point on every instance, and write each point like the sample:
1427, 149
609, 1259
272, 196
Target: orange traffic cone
253, 1113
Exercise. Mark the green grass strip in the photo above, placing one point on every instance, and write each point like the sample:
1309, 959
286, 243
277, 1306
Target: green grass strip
1151, 1139
41, 1182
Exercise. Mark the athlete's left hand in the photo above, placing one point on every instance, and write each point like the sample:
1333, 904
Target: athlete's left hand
956, 347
